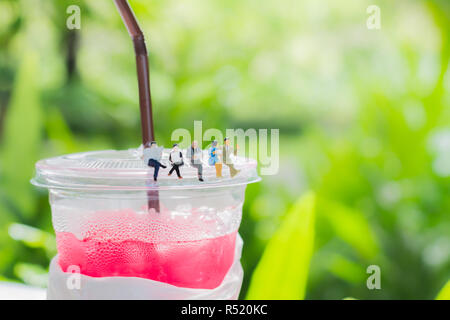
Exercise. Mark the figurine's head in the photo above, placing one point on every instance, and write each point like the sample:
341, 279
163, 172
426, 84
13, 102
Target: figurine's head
153, 144
147, 144
175, 147
226, 141
214, 143
194, 144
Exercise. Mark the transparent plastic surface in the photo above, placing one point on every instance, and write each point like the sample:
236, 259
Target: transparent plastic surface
131, 288
107, 230
189, 243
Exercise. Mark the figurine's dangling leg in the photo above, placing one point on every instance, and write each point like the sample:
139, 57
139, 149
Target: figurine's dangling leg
199, 171
177, 170
218, 170
233, 170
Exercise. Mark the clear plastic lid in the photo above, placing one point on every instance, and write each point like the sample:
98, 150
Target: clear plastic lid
125, 170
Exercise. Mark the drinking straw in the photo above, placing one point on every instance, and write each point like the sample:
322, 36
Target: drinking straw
145, 98
140, 48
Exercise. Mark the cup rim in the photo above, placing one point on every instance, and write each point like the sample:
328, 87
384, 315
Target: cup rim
112, 170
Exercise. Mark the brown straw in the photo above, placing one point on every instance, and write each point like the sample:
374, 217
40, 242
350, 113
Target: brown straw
145, 99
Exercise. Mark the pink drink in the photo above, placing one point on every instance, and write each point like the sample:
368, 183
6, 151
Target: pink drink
190, 264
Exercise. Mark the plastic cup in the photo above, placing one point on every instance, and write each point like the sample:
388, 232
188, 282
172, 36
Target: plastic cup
120, 249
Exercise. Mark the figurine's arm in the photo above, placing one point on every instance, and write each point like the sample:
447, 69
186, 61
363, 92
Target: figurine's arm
159, 152
143, 154
236, 149
219, 152
194, 155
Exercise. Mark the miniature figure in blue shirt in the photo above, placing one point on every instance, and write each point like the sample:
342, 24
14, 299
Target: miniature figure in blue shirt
214, 158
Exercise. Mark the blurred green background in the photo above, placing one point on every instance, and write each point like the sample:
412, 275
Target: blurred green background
364, 119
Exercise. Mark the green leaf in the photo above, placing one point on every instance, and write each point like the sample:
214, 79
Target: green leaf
22, 137
283, 270
8, 249
33, 237
352, 227
347, 270
444, 294
31, 274
58, 132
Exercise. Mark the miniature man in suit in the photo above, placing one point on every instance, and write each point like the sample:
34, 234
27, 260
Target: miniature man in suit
227, 151
176, 160
194, 153
152, 156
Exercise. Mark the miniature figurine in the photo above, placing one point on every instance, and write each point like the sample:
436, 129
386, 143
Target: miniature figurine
152, 156
194, 153
227, 150
214, 158
176, 160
